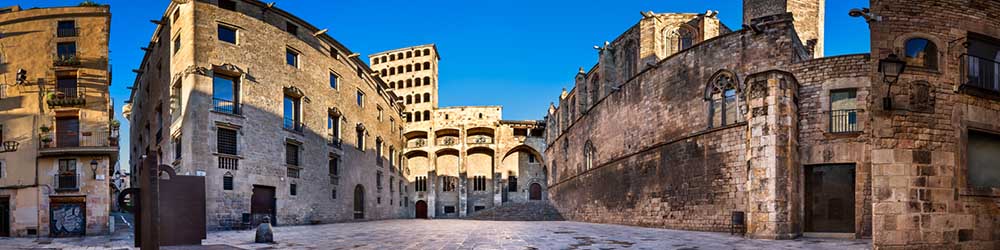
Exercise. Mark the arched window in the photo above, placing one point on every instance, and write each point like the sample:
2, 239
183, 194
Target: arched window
392, 57
416, 116
383, 59
392, 71
409, 83
921, 53
427, 97
427, 114
588, 155
409, 99
629, 62
427, 52
399, 69
417, 53
417, 81
399, 55
375, 61
409, 54
409, 116
427, 80
722, 93
427, 65
416, 98
685, 38
592, 89
417, 68
383, 73
409, 68
392, 85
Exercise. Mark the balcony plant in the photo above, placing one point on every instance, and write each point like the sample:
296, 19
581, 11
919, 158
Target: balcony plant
46, 137
67, 60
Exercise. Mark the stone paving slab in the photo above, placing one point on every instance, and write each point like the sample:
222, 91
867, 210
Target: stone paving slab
467, 234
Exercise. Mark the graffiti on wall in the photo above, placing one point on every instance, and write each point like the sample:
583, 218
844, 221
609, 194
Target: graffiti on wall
68, 219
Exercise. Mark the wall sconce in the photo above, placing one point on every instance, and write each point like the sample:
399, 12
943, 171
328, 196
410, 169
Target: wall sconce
93, 167
9, 146
890, 67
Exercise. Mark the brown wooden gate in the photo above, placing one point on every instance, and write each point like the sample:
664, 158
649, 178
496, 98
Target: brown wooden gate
421, 208
4, 217
829, 199
359, 202
262, 204
535, 192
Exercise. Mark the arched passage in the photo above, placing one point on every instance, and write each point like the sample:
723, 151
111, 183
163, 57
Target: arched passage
421, 209
359, 202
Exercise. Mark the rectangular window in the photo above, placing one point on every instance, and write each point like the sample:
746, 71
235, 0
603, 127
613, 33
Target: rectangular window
983, 157
479, 183
67, 179
66, 50
378, 179
333, 194
448, 184
227, 5
449, 209
391, 180
226, 141
66, 29
177, 44
293, 189
227, 182
334, 165
292, 154
225, 94
361, 98
291, 28
292, 113
177, 15
177, 147
420, 184
333, 125
361, 140
477, 208
333, 80
511, 183
227, 34
531, 158
177, 98
292, 58
843, 111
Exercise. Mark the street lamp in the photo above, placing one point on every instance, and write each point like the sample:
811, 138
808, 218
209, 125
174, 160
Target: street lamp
93, 167
9, 146
890, 67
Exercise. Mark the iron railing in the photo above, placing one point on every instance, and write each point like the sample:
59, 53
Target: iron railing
230, 162
66, 60
844, 121
67, 96
66, 182
78, 139
292, 124
67, 32
225, 106
980, 73
293, 172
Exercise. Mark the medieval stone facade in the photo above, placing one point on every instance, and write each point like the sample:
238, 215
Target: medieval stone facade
754, 128
59, 140
282, 120
460, 159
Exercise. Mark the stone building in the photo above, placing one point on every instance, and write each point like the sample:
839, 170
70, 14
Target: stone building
459, 159
698, 128
283, 120
59, 140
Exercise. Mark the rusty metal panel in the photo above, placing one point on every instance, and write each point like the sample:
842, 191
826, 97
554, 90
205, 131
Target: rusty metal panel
171, 208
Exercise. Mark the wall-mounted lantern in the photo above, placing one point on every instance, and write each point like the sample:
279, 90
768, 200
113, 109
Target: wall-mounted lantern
891, 68
9, 146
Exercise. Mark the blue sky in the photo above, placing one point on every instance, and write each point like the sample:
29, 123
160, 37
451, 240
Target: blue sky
515, 53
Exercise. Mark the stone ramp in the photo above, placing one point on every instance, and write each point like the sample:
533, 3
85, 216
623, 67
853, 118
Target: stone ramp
519, 211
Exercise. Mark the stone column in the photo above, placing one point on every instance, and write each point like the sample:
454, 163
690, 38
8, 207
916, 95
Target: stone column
772, 158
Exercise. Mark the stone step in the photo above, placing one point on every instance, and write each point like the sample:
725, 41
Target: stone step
520, 211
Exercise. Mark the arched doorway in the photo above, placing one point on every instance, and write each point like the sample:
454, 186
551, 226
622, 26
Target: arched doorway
535, 192
421, 208
359, 202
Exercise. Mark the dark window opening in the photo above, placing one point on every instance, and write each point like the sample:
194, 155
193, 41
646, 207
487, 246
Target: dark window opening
921, 53
227, 5
843, 111
227, 181
292, 154
291, 28
512, 183
226, 140
227, 34
983, 158
292, 58
293, 189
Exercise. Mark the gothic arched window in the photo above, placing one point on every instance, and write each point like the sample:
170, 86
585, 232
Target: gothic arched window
592, 89
685, 38
588, 155
631, 51
722, 94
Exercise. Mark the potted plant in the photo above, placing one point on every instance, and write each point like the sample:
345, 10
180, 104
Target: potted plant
46, 139
115, 124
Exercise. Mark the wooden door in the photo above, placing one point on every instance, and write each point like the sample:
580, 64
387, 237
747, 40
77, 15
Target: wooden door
421, 208
262, 204
829, 198
4, 217
359, 202
67, 132
535, 192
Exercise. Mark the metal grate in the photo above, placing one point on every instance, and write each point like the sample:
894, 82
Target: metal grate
844, 120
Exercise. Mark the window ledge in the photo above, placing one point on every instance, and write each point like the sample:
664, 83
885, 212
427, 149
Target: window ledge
979, 92
923, 69
228, 114
63, 190
227, 155
838, 135
298, 132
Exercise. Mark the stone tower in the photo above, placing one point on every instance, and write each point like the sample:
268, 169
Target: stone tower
808, 14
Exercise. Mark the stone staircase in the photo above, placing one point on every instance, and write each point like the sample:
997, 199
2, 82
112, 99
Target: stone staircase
519, 211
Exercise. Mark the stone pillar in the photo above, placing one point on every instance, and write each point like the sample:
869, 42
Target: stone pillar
432, 180
772, 158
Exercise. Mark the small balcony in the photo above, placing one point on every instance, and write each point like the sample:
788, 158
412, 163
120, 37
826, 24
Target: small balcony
844, 121
230, 162
67, 32
225, 106
67, 97
66, 182
66, 60
980, 73
79, 142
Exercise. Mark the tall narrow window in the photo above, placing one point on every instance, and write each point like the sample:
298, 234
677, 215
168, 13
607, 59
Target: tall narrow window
225, 94
378, 151
724, 103
227, 34
420, 184
177, 147
293, 189
378, 179
843, 111
292, 58
361, 138
921, 53
379, 109
293, 113
177, 44
333, 80
66, 51
227, 181
291, 154
685, 38
334, 165
333, 124
588, 155
511, 183
361, 98
68, 178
